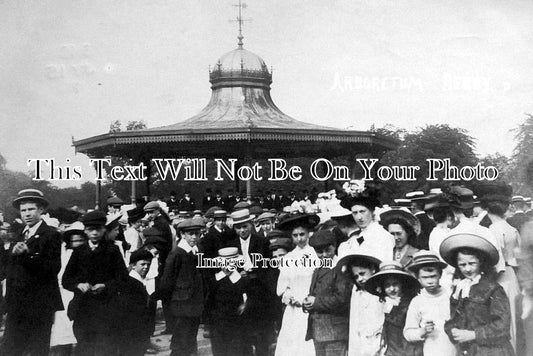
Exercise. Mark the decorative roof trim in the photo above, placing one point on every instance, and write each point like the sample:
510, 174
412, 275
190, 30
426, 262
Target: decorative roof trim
143, 137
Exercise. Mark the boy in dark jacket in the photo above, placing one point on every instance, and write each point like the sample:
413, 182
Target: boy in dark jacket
328, 301
137, 310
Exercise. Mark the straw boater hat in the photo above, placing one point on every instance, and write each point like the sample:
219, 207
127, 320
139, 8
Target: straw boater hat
424, 258
298, 219
472, 240
374, 284
30, 195
241, 216
220, 214
229, 252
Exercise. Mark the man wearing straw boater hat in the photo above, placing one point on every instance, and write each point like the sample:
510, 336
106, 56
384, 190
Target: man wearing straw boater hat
32, 294
258, 316
228, 297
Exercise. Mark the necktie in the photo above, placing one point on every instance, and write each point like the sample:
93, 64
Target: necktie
360, 240
26, 235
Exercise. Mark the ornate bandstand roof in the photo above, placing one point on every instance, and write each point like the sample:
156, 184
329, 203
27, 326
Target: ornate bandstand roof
241, 118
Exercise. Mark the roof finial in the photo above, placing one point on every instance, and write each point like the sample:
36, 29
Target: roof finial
240, 20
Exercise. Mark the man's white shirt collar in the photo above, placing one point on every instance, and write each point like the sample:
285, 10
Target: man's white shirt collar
234, 277
185, 245
32, 230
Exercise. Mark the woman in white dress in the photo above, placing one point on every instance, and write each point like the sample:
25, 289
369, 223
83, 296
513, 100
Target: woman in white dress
293, 286
62, 337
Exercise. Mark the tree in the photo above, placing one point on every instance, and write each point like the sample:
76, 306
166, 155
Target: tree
521, 171
432, 141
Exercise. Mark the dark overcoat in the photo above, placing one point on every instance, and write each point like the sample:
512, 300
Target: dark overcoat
329, 318
32, 288
104, 265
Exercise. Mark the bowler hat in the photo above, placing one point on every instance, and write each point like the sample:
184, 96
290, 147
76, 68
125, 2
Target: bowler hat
472, 240
33, 195
240, 216
374, 284
322, 238
94, 218
295, 220
424, 258
141, 255
256, 210
135, 214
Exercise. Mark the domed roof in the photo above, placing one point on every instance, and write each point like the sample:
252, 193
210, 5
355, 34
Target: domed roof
240, 68
240, 59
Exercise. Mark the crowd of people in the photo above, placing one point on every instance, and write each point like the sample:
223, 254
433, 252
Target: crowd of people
446, 272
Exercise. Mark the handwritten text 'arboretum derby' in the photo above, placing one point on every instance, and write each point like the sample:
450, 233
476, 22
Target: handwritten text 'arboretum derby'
321, 169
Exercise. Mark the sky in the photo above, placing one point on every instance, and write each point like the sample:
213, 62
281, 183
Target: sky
70, 68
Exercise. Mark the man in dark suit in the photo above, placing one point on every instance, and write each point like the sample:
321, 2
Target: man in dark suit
187, 203
258, 317
229, 201
182, 284
32, 264
94, 273
328, 302
426, 224
519, 218
208, 200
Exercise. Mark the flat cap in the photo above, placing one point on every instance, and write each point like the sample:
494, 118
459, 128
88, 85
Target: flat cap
115, 201
151, 206
191, 224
